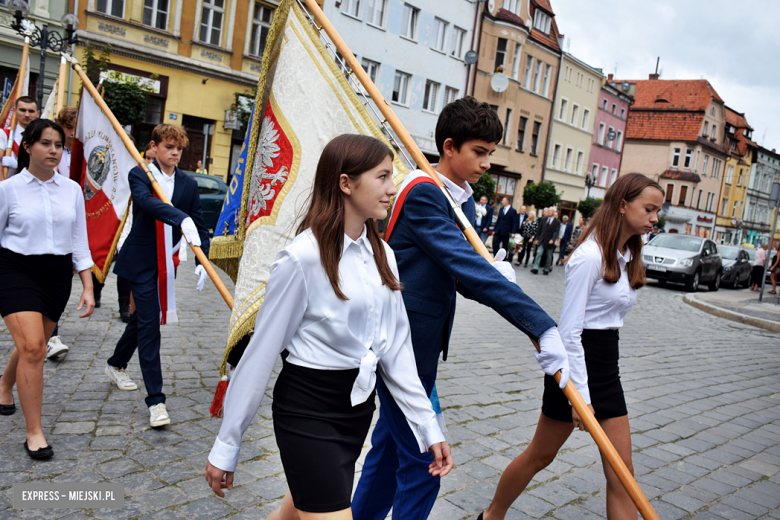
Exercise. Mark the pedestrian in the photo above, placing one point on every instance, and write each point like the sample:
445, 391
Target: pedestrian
528, 231
139, 260
575, 235
505, 226
43, 238
484, 218
775, 269
201, 169
434, 261
333, 303
549, 228
757, 274
602, 278
26, 109
522, 215
565, 238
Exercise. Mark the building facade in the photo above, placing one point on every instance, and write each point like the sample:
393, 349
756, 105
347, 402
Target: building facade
571, 135
611, 115
764, 170
518, 39
414, 52
674, 135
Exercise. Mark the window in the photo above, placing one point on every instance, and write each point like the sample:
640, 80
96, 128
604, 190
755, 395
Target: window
371, 68
450, 95
537, 76
441, 35
516, 62
736, 209
594, 174
535, 138
111, 7
456, 47
409, 22
704, 165
575, 112
619, 141
521, 133
542, 21
706, 126
546, 86
716, 168
729, 174
401, 87
696, 164
578, 166
500, 55
604, 176
556, 155
613, 176
676, 157
351, 7
211, 21
568, 162
507, 124
585, 118
739, 180
669, 193
529, 65
614, 107
513, 6
688, 157
712, 134
429, 98
724, 206
683, 195
376, 12
693, 195
261, 24
505, 187
156, 14
622, 113
604, 105
710, 201
698, 201
712, 112
602, 129
562, 111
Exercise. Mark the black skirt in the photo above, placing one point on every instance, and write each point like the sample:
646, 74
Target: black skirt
756, 274
606, 392
37, 283
319, 434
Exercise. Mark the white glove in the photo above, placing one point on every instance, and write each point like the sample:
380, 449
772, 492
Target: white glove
553, 356
505, 268
202, 275
190, 231
10, 162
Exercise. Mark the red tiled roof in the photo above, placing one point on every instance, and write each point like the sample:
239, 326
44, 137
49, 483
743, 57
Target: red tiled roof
545, 39
680, 176
663, 126
687, 94
509, 16
544, 4
740, 122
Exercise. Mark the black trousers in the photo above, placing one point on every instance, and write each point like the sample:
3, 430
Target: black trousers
525, 252
500, 241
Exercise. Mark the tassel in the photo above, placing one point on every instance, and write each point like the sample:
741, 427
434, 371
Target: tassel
219, 397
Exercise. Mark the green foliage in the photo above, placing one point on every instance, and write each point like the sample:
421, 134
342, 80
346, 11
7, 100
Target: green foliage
661, 222
485, 186
241, 110
589, 206
542, 195
93, 66
127, 100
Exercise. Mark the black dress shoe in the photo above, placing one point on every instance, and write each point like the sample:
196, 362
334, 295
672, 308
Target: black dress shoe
41, 453
480, 516
535, 271
545, 272
7, 409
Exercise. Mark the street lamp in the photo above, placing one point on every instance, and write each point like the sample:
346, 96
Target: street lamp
737, 222
42, 37
589, 181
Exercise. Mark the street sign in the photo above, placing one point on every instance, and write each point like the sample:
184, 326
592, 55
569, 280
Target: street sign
471, 57
7, 88
774, 198
231, 121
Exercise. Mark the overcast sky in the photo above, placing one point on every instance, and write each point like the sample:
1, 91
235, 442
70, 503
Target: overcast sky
734, 45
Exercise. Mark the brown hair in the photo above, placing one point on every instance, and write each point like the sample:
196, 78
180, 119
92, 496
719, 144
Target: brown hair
352, 155
67, 116
173, 132
607, 223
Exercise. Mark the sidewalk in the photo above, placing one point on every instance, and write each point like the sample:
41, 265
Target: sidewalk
741, 306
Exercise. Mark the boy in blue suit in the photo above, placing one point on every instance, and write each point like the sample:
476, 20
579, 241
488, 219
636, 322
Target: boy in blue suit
434, 260
139, 262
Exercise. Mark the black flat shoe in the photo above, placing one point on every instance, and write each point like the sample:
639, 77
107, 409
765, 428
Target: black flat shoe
480, 516
7, 409
41, 453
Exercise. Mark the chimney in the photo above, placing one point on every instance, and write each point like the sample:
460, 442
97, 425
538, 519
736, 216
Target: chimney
609, 77
654, 76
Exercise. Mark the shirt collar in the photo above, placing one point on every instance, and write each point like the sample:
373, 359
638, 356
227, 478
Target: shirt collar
29, 177
624, 258
361, 241
459, 193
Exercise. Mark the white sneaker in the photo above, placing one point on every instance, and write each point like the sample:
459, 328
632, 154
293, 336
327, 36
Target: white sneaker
56, 348
158, 415
120, 377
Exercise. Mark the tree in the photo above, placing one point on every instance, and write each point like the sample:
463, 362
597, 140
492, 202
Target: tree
542, 195
661, 222
127, 101
241, 108
484, 187
589, 206
95, 66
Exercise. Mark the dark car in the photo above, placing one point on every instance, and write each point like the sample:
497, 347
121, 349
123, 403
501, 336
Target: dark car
212, 191
736, 266
687, 259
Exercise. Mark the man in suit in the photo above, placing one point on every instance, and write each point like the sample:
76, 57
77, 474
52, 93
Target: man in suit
565, 236
549, 228
483, 223
138, 262
521, 216
506, 224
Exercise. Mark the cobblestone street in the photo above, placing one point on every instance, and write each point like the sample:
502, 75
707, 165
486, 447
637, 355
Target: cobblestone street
703, 396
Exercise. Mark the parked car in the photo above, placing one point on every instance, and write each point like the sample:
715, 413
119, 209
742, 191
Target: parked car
736, 266
212, 191
687, 259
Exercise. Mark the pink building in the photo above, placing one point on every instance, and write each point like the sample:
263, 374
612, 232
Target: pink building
610, 121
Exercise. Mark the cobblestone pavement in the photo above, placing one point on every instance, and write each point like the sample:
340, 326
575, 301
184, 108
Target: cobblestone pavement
703, 396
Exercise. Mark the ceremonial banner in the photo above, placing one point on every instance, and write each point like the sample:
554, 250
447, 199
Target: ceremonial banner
8, 106
303, 102
48, 108
100, 164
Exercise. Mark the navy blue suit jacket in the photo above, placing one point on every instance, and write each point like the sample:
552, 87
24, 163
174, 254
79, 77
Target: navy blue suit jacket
137, 260
487, 220
506, 224
433, 258
567, 233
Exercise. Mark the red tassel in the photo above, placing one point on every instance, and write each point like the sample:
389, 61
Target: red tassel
219, 397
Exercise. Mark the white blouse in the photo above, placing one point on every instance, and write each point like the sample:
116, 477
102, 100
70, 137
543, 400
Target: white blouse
301, 313
44, 218
591, 303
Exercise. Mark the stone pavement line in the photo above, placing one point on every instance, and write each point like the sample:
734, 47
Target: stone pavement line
702, 396
765, 316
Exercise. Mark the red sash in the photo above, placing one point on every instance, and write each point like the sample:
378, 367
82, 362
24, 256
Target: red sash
401, 197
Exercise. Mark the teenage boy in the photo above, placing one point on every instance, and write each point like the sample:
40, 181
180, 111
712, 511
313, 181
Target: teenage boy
26, 112
433, 261
140, 256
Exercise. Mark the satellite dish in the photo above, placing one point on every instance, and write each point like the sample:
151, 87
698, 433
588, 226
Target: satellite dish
499, 82
613, 84
471, 57
625, 86
611, 135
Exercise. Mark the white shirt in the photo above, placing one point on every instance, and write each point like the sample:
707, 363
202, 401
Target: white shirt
64, 167
591, 303
4, 145
301, 313
460, 194
167, 182
44, 218
563, 230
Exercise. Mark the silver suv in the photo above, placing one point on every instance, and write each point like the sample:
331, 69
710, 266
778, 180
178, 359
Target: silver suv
687, 259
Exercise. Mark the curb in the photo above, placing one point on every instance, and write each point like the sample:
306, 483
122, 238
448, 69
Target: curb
691, 300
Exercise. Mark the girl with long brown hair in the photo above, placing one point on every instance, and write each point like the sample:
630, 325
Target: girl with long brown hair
333, 303
602, 276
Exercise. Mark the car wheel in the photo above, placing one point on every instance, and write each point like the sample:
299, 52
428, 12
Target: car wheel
715, 284
692, 285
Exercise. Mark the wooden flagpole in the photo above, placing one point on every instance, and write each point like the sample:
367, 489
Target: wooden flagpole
155, 185
61, 87
639, 499
19, 87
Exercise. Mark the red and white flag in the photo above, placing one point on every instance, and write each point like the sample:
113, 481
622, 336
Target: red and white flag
10, 103
100, 164
167, 262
